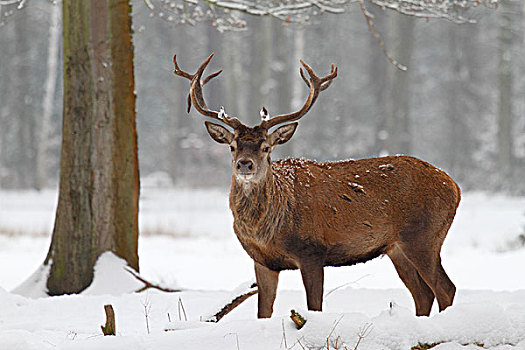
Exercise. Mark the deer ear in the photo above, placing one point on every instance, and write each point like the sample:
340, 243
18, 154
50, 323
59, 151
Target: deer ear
282, 134
219, 133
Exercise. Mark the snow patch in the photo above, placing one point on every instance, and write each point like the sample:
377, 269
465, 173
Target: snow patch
112, 277
22, 339
36, 285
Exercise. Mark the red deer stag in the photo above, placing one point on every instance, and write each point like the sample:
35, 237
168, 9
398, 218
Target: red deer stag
301, 214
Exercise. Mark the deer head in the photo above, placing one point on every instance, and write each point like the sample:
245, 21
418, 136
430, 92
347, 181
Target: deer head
251, 146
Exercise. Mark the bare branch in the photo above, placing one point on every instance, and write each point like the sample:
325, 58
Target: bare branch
226, 309
148, 285
369, 18
448, 9
228, 14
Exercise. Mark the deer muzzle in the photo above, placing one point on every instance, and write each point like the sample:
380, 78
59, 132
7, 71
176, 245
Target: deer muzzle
245, 167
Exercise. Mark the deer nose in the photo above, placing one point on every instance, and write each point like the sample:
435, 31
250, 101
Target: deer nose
244, 165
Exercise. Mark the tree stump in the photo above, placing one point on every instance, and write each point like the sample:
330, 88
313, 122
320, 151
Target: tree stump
109, 328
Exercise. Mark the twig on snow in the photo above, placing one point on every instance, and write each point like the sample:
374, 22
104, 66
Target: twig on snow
180, 306
284, 336
363, 333
146, 303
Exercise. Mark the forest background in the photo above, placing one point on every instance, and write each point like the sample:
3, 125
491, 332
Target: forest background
459, 106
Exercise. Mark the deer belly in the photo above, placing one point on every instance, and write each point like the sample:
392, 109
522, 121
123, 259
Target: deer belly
269, 255
340, 255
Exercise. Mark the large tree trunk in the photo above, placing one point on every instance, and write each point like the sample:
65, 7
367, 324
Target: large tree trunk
99, 184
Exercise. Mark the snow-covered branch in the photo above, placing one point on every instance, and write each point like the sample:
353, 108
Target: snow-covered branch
9, 2
224, 14
453, 10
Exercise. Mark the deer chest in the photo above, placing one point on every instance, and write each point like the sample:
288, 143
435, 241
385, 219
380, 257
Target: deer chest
268, 253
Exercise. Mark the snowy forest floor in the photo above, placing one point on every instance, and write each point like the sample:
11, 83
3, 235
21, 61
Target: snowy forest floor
187, 241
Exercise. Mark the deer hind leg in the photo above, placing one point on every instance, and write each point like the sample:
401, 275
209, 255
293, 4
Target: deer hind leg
421, 292
313, 279
267, 284
428, 264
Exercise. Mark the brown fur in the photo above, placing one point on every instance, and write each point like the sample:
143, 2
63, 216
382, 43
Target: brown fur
306, 215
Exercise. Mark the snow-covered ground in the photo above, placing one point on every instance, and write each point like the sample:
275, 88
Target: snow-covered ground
187, 241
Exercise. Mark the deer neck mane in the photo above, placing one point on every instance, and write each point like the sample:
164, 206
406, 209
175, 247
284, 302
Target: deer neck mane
259, 209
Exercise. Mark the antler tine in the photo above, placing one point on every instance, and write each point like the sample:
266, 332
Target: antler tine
211, 76
179, 71
324, 86
316, 85
195, 96
196, 91
204, 82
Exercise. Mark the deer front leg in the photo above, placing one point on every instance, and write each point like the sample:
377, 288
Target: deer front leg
267, 284
313, 279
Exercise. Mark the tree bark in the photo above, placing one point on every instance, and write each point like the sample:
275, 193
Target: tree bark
99, 184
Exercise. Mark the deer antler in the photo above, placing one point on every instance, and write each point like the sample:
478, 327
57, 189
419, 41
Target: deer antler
195, 94
316, 85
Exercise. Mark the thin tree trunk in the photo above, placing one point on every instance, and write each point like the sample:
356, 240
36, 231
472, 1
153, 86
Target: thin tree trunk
296, 86
377, 72
234, 80
7, 91
398, 138
261, 68
44, 122
24, 157
99, 186
505, 80
284, 58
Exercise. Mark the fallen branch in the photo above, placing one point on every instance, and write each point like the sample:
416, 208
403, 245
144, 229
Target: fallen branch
226, 309
148, 285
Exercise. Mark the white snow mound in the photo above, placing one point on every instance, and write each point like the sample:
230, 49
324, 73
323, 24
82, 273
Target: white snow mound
112, 277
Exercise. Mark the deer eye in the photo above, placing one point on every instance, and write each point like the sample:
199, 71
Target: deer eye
232, 148
266, 149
